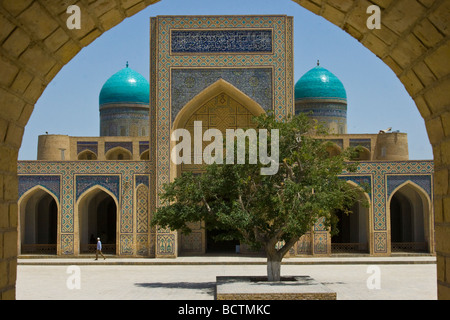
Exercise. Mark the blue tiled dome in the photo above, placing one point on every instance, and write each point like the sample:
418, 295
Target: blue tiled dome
319, 83
125, 86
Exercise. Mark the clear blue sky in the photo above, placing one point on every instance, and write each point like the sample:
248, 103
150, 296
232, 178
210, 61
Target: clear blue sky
376, 98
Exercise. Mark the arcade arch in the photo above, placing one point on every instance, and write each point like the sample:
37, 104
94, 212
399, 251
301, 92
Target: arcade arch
97, 213
118, 153
219, 106
145, 155
38, 222
415, 47
87, 155
353, 234
409, 212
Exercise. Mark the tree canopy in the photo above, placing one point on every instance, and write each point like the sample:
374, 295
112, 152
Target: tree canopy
263, 210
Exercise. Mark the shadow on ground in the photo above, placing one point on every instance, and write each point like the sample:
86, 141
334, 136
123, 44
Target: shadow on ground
205, 287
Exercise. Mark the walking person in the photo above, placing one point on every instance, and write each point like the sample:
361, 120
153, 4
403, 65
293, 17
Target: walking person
99, 250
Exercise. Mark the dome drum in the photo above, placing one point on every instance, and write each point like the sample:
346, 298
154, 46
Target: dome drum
124, 104
320, 93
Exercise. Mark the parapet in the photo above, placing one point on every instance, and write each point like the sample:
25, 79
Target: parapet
53, 147
392, 146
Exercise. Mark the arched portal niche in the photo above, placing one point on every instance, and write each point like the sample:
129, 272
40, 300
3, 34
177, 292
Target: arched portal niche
410, 219
38, 223
118, 153
97, 217
220, 106
353, 231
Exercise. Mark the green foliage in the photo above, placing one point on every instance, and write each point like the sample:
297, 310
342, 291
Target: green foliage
262, 210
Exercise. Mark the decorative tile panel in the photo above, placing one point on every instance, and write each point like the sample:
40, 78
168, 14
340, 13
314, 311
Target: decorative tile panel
320, 243
163, 60
77, 176
366, 143
187, 83
143, 146
113, 144
423, 181
87, 145
221, 41
50, 182
109, 182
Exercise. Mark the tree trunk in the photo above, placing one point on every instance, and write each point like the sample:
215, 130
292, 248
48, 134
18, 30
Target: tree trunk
273, 264
275, 256
273, 270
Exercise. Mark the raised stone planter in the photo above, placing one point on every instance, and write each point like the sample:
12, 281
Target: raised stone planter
258, 288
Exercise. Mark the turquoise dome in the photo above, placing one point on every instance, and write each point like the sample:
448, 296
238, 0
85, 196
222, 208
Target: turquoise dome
320, 84
125, 86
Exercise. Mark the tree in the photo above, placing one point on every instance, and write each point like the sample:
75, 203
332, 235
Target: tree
265, 211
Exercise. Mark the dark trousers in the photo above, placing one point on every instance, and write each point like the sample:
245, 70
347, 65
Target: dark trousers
97, 252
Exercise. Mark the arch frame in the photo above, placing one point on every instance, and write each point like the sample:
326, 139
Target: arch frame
93, 191
117, 150
145, 154
219, 87
428, 217
151, 231
21, 204
426, 83
369, 225
86, 152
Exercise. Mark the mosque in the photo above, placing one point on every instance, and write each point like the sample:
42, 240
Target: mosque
221, 70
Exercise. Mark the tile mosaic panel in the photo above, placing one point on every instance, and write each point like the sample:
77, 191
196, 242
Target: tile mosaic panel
143, 146
142, 209
221, 41
118, 177
366, 143
113, 144
87, 145
187, 83
109, 182
162, 60
50, 182
423, 181
320, 243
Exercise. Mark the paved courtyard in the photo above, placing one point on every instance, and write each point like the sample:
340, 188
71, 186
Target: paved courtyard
123, 280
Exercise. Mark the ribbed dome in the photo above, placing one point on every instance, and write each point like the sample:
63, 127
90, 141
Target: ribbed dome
319, 83
125, 86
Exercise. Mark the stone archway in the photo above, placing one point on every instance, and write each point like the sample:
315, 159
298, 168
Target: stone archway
410, 218
118, 153
38, 222
220, 106
354, 228
414, 41
96, 216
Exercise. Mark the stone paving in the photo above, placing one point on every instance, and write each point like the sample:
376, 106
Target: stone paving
193, 278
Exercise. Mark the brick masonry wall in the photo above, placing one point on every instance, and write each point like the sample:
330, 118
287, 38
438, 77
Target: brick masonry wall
414, 41
278, 296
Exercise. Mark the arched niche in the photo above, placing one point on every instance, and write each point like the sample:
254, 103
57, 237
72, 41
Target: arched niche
97, 214
118, 153
38, 222
410, 219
